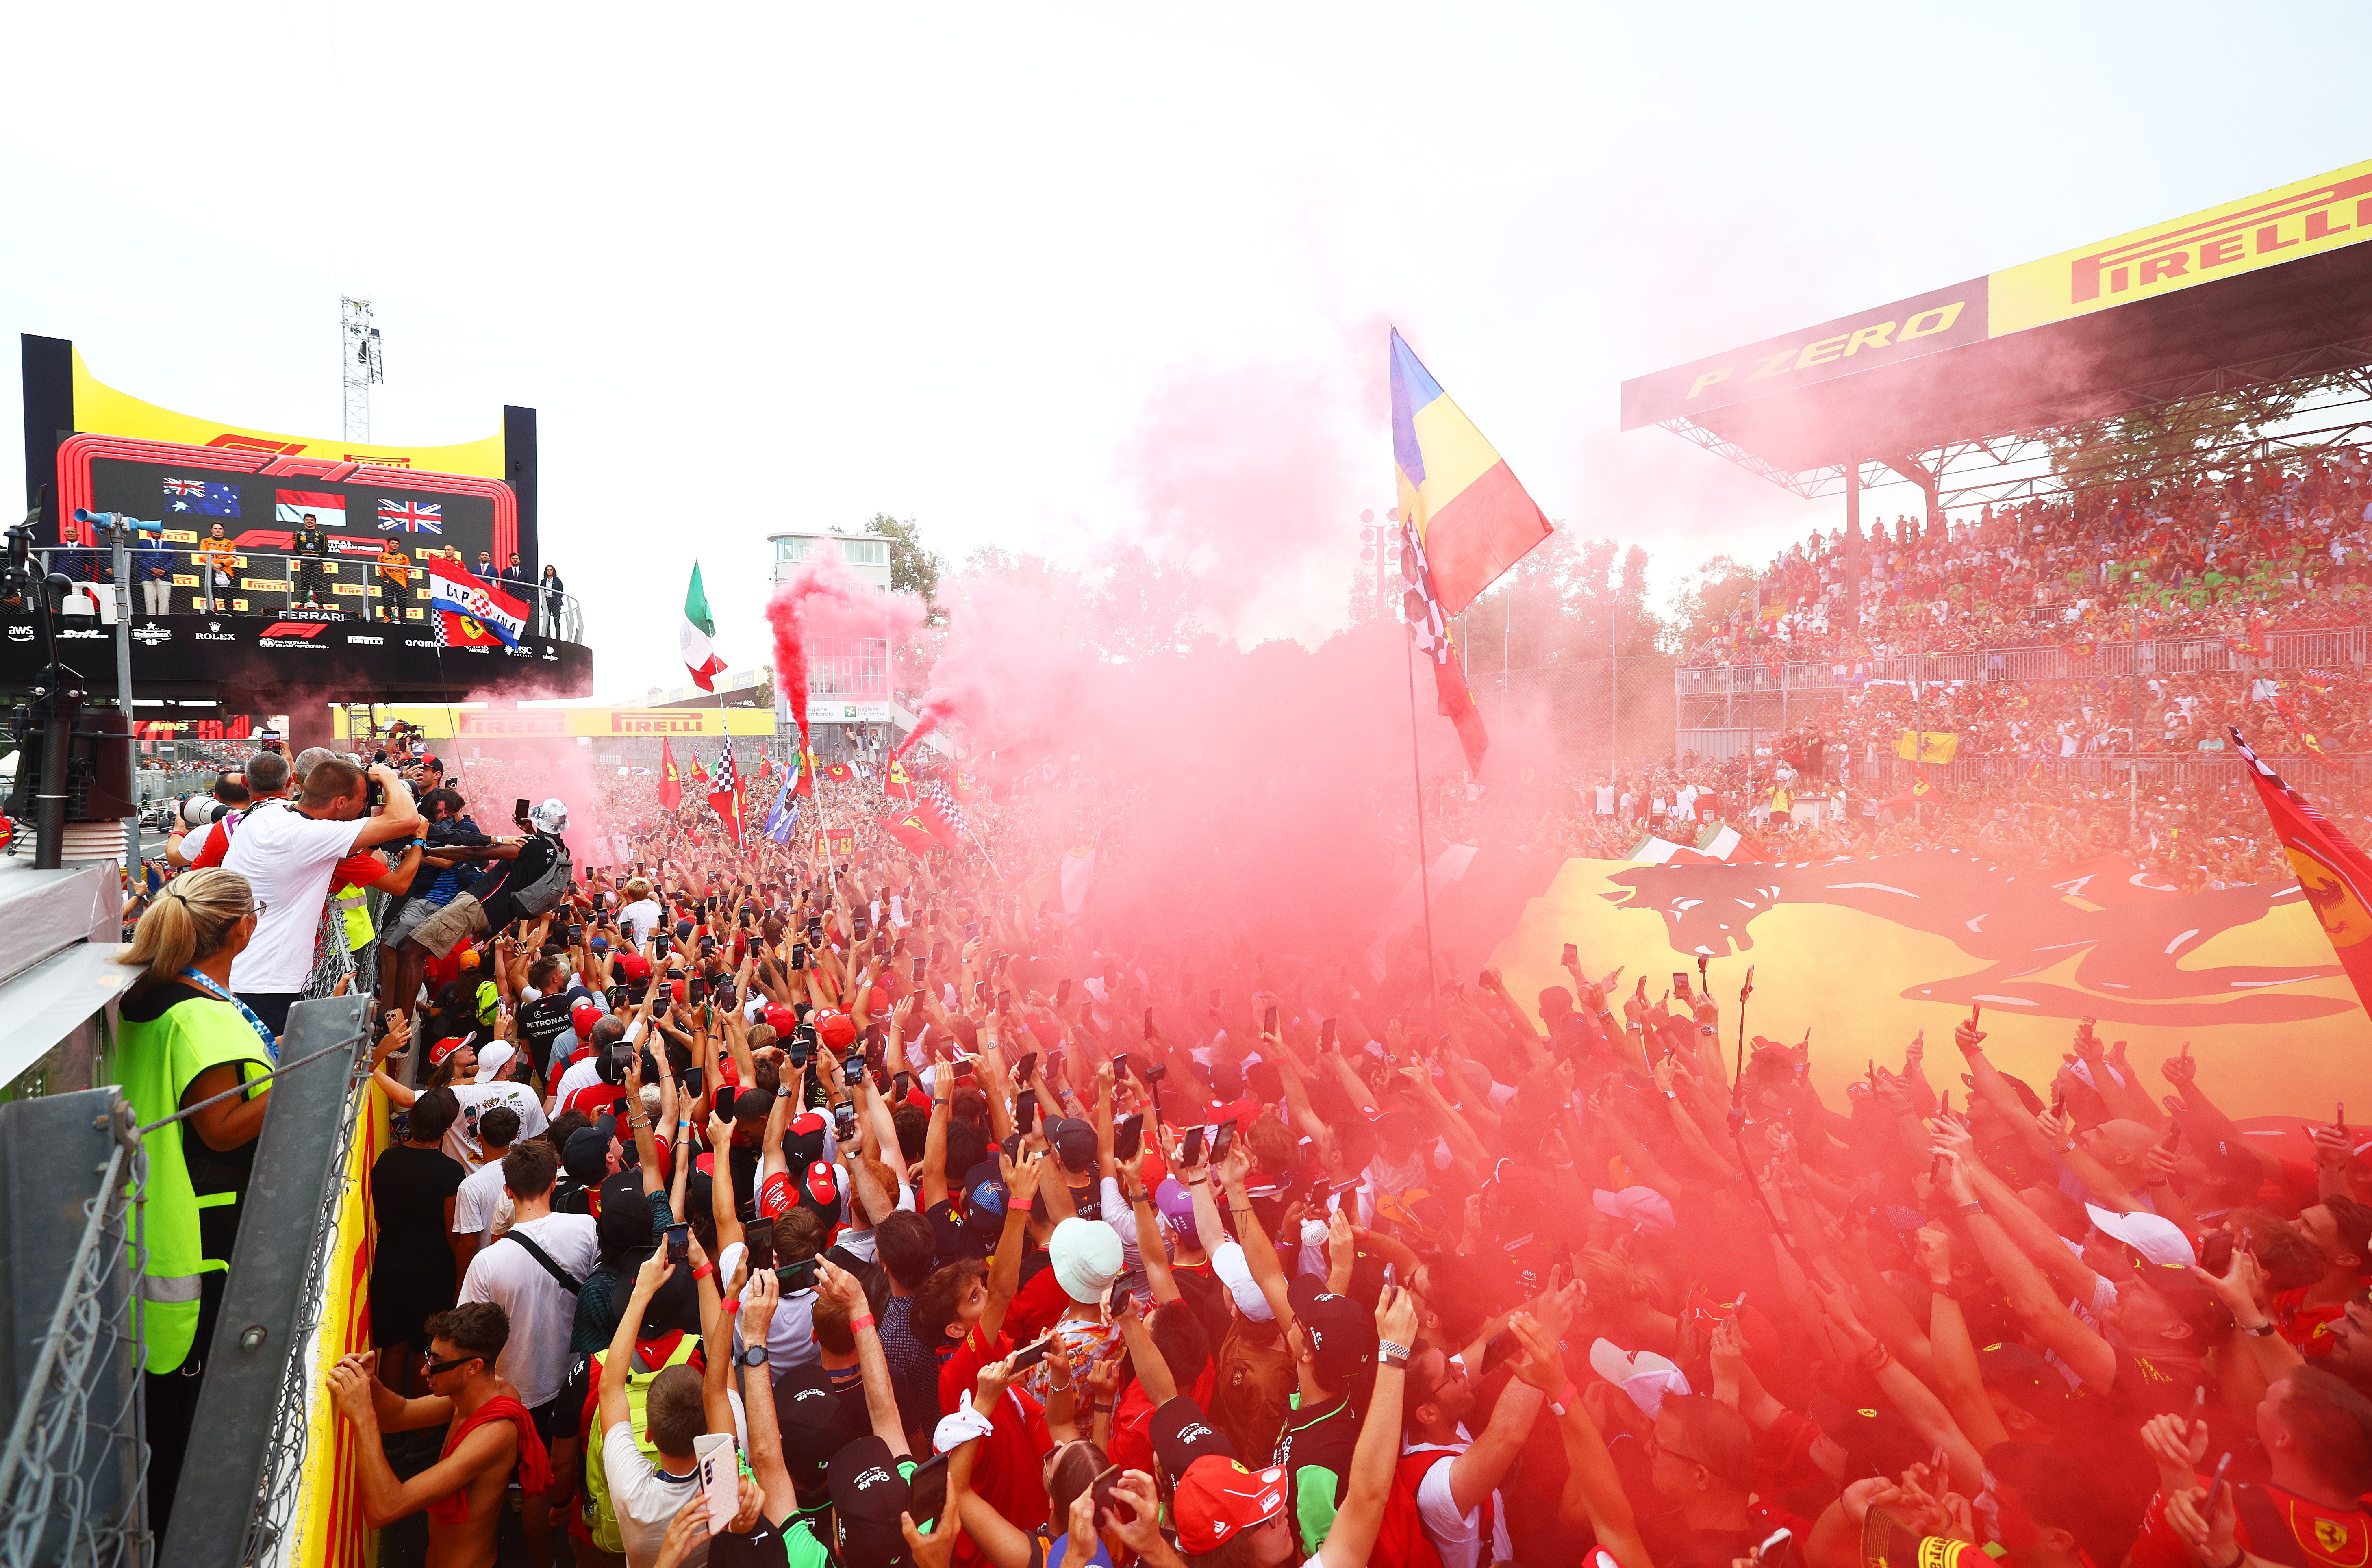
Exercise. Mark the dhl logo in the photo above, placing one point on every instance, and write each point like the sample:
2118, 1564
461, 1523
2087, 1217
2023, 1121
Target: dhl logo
2302, 218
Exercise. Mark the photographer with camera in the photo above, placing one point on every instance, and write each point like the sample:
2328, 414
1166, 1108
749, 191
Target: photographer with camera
535, 875
200, 812
290, 851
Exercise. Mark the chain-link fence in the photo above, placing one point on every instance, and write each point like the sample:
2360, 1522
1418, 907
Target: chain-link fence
72, 1474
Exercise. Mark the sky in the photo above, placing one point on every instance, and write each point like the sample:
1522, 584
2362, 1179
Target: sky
1061, 278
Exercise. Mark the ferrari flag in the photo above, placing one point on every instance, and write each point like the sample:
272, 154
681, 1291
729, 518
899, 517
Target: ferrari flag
1468, 512
670, 782
895, 782
909, 831
470, 614
2334, 875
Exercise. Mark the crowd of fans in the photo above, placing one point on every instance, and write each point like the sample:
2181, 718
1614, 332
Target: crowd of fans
748, 1205
2276, 546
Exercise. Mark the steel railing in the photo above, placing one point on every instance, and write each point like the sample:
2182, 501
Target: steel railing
2324, 647
260, 582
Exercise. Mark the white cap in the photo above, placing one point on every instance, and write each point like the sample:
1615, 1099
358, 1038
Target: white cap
1643, 1375
2158, 1240
552, 816
1235, 1271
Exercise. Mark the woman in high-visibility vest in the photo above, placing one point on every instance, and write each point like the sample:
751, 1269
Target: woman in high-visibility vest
184, 1039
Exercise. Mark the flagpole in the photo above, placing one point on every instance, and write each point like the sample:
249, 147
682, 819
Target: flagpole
1423, 868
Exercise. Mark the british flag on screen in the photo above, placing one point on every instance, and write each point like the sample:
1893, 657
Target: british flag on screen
411, 516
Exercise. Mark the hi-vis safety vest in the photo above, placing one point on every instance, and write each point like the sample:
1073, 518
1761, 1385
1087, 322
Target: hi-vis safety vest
601, 1513
156, 1063
348, 901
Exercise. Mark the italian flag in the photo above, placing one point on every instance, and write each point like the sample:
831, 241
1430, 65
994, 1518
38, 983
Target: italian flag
697, 633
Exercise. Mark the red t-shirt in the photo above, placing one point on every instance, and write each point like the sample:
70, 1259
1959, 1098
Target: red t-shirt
1037, 1306
1006, 1471
2307, 1328
2322, 1536
1132, 1429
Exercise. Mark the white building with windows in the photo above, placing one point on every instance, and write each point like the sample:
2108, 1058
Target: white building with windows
848, 677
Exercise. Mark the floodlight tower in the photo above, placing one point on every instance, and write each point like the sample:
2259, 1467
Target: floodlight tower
359, 348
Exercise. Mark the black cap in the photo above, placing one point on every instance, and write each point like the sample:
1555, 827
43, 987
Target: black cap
1341, 1333
868, 1496
1877, 1442
2026, 1381
1181, 1434
815, 1422
586, 1157
1075, 1142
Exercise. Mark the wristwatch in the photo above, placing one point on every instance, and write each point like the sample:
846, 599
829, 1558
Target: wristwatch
2263, 1331
752, 1356
1390, 1354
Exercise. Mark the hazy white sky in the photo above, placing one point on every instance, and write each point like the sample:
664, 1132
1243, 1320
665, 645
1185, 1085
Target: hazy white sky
1055, 277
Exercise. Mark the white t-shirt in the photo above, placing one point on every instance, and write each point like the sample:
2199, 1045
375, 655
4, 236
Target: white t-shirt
287, 861
461, 1138
641, 917
645, 1503
583, 1073
790, 1336
481, 1203
193, 842
1458, 1536
542, 1315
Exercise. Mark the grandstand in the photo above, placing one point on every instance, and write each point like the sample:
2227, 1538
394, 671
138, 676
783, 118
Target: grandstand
2145, 513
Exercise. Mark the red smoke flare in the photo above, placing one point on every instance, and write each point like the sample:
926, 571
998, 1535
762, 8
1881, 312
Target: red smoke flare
819, 602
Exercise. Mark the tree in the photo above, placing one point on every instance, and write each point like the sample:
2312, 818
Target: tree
912, 569
1710, 595
1144, 606
2169, 441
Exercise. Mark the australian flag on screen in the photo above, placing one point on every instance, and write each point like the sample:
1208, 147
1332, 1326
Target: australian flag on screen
201, 497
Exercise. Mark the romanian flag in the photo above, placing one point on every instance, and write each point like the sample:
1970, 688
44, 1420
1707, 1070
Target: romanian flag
2334, 875
670, 782
1469, 513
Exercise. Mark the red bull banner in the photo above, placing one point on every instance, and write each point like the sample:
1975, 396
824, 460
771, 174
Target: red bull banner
1868, 953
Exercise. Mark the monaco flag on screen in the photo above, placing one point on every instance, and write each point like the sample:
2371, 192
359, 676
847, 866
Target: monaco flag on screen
328, 507
471, 614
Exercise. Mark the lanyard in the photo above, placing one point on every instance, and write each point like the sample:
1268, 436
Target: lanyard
205, 982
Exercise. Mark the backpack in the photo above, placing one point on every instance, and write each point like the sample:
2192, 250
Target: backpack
1252, 1391
541, 895
600, 1516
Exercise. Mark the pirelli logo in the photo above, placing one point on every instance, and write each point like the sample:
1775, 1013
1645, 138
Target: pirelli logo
2299, 220
511, 725
655, 723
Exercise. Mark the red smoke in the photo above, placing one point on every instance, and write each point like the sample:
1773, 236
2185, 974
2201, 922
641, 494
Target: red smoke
820, 609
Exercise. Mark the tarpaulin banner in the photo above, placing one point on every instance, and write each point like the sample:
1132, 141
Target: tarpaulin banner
531, 724
1867, 953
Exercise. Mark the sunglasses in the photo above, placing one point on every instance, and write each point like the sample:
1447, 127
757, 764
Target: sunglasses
1654, 1448
435, 1369
257, 907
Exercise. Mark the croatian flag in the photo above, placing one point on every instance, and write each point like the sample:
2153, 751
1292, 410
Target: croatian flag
411, 516
452, 591
202, 497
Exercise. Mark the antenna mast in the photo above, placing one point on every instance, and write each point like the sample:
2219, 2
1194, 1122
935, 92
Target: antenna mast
358, 349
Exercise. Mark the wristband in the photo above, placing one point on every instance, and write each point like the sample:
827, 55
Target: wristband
858, 1325
1972, 1207
702, 1272
1570, 1395
2263, 1331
